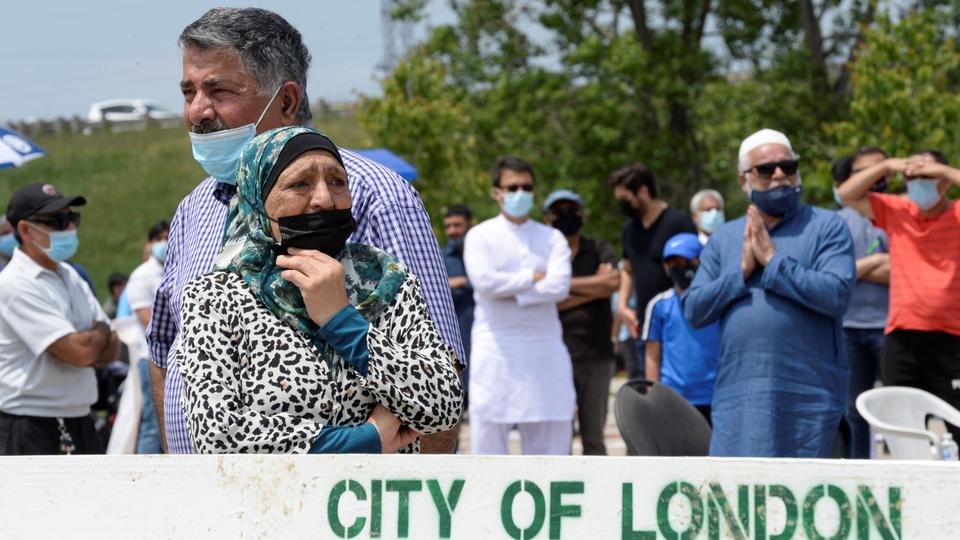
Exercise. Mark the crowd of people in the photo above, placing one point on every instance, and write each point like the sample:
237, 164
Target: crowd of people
299, 302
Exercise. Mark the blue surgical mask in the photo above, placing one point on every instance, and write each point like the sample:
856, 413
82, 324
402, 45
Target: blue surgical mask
219, 152
711, 220
776, 202
836, 197
159, 250
518, 203
63, 244
7, 244
923, 192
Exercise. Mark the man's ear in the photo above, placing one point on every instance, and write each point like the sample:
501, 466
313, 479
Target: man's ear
289, 98
23, 229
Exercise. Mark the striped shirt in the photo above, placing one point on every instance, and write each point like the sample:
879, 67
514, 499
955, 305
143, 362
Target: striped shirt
389, 214
924, 264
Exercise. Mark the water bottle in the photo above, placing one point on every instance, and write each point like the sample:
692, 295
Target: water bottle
948, 448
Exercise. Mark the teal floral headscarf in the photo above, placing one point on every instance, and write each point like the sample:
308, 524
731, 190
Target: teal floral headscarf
373, 278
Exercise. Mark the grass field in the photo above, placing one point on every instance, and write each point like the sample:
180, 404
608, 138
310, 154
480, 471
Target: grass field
131, 180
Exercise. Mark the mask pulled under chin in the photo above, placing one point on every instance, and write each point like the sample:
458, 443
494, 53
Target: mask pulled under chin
326, 231
219, 152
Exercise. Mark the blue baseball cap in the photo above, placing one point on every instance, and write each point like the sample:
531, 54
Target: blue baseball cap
685, 245
561, 195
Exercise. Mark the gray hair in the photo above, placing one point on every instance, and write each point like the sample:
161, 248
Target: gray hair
702, 194
270, 47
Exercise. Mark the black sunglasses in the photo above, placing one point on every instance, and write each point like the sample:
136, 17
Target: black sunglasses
59, 221
515, 187
767, 170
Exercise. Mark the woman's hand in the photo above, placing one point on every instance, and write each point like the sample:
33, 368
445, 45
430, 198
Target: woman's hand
393, 436
320, 279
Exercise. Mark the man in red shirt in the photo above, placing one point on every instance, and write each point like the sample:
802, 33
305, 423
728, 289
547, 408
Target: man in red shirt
922, 346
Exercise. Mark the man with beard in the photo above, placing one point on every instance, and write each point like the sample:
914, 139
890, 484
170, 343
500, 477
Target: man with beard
244, 72
650, 223
456, 222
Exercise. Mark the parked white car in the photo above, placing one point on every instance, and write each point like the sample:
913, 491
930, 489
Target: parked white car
126, 110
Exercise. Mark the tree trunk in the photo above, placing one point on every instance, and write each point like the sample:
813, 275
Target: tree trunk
811, 26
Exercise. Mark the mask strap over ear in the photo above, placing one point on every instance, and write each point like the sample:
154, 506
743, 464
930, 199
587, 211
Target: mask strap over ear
269, 103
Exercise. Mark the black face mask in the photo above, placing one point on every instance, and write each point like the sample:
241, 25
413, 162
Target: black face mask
682, 276
326, 231
569, 223
627, 209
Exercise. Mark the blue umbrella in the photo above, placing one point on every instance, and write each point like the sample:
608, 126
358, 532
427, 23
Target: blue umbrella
391, 161
15, 149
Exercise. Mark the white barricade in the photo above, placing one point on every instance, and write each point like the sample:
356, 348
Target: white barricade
484, 498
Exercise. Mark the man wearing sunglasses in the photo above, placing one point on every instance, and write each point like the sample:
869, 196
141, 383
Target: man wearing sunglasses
922, 344
52, 332
779, 279
520, 371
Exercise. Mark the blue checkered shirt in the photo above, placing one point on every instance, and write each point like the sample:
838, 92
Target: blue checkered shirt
389, 214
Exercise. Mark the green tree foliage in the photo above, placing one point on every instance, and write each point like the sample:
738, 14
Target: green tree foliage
905, 88
582, 87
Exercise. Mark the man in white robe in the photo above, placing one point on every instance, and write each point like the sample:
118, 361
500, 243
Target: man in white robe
520, 370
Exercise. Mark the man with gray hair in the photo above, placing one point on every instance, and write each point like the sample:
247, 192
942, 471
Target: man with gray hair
245, 72
706, 208
779, 279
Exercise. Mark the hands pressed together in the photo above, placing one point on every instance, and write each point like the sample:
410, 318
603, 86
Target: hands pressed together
321, 280
757, 246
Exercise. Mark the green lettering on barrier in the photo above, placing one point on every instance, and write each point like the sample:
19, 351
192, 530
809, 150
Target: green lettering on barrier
376, 507
696, 511
783, 493
558, 510
506, 510
333, 509
810, 515
403, 489
759, 512
867, 508
738, 529
626, 517
713, 520
445, 504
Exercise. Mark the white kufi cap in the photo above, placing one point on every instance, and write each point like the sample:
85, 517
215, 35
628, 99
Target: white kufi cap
760, 138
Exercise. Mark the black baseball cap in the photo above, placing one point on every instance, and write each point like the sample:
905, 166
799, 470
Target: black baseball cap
36, 199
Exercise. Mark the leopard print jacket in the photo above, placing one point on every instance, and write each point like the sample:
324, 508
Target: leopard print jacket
253, 384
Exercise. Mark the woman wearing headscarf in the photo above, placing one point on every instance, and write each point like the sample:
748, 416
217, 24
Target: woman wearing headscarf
297, 341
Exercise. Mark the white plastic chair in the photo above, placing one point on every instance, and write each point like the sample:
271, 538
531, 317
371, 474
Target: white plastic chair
900, 414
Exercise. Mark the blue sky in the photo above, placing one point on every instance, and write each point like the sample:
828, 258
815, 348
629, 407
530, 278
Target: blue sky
58, 57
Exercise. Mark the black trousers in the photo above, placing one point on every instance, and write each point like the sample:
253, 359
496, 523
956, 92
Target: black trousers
591, 380
35, 435
926, 360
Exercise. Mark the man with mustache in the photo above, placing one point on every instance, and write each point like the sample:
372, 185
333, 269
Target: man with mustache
244, 72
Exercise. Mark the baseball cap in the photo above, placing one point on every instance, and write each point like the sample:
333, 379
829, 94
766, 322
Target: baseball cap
35, 199
561, 195
685, 245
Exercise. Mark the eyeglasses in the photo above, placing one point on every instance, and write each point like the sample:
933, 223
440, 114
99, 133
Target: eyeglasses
59, 221
767, 170
515, 187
